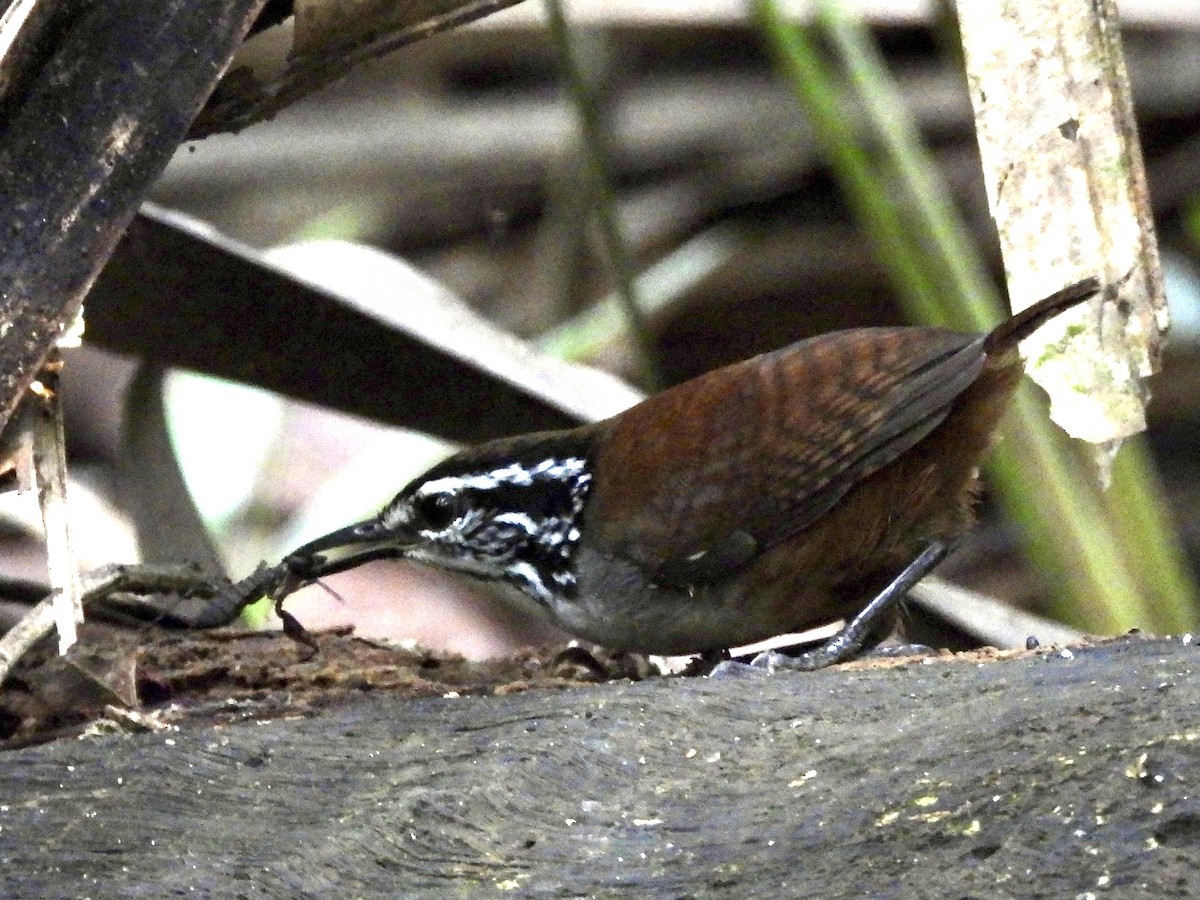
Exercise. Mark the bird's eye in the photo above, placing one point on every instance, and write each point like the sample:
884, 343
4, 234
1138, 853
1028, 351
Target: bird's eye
436, 511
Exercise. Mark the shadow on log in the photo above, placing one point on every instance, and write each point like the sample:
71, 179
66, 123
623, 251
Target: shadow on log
1044, 775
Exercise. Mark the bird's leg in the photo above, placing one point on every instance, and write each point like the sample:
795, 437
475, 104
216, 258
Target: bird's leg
849, 641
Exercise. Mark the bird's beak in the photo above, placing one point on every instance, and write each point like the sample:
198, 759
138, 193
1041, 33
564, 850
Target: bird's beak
351, 546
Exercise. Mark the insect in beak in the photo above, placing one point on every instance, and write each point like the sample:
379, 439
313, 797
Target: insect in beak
349, 547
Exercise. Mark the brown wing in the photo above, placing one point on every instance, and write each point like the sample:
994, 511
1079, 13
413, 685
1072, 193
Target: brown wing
765, 447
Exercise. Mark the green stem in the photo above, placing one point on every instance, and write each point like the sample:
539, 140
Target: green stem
969, 300
866, 193
1137, 505
598, 162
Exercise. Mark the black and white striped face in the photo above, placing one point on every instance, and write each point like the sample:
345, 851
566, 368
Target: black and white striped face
497, 517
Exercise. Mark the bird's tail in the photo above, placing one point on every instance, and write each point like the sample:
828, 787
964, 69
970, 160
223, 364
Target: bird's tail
1009, 332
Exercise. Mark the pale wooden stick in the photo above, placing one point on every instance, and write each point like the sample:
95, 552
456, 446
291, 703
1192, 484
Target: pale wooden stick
1067, 188
50, 470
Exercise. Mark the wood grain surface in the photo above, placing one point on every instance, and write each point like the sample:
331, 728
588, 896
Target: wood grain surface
1042, 775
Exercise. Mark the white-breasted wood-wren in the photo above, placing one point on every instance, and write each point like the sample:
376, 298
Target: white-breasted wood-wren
807, 485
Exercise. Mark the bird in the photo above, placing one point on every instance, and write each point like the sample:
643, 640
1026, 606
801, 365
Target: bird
809, 485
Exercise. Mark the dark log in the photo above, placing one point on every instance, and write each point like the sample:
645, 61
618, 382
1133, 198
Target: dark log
1047, 775
178, 294
83, 146
337, 42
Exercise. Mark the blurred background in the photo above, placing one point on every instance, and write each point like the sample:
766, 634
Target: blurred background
463, 154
